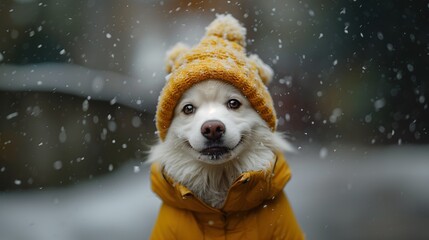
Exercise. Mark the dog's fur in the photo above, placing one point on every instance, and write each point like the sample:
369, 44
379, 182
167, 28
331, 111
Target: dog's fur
250, 144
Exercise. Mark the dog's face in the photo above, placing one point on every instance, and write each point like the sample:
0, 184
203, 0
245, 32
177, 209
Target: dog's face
213, 121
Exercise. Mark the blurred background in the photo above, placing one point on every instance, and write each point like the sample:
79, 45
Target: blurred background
79, 81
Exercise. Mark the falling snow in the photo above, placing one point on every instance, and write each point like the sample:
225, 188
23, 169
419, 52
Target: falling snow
323, 153
92, 90
136, 122
12, 115
62, 136
336, 114
113, 101
379, 104
58, 165
85, 105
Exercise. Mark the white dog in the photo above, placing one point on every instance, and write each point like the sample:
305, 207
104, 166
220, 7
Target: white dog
219, 163
214, 137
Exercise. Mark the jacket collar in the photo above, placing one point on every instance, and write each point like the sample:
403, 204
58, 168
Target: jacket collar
249, 190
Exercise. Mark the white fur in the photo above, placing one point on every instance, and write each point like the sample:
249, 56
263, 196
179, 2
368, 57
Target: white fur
251, 142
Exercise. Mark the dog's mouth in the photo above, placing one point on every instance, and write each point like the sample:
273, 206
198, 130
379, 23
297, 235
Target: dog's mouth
215, 152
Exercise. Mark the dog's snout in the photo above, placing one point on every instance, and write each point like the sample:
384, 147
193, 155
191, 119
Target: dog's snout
213, 129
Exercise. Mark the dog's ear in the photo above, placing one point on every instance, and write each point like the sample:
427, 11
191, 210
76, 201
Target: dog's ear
174, 56
264, 71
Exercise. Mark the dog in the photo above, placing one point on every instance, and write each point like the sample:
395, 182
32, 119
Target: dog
219, 166
215, 136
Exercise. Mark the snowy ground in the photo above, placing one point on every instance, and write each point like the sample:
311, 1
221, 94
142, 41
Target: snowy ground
348, 193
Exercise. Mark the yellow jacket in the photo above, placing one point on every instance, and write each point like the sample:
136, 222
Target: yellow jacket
255, 208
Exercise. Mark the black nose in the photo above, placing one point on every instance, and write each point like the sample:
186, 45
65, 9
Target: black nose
213, 129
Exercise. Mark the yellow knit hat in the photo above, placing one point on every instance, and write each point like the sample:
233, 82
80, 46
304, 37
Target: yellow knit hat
220, 55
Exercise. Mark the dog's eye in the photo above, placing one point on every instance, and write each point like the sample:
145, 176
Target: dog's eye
233, 104
188, 109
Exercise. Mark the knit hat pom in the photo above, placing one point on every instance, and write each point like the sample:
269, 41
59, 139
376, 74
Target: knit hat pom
227, 27
264, 71
174, 55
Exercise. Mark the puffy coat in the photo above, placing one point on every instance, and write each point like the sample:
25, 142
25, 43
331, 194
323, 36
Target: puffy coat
255, 208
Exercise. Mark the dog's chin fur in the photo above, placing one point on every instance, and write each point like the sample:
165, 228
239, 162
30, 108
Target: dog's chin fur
209, 179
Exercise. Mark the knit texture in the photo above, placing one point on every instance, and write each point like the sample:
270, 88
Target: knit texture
220, 55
